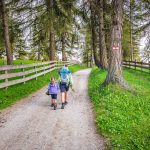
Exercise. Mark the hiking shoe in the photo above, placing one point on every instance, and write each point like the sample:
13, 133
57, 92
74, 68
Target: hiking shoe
62, 106
66, 102
55, 106
52, 105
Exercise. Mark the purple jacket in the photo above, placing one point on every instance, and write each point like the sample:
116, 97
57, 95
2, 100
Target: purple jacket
53, 89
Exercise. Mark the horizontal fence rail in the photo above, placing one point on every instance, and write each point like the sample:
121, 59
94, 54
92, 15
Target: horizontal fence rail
15, 74
140, 66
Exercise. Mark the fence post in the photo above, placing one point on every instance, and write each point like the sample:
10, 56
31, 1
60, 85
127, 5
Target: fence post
6, 80
56, 64
129, 65
135, 64
44, 68
35, 72
23, 72
61, 63
149, 67
141, 66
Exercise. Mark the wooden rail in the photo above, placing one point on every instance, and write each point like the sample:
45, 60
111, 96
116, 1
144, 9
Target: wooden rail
140, 66
15, 74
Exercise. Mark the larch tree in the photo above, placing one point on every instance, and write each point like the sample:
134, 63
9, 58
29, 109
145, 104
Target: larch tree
65, 25
131, 30
5, 22
50, 9
63, 44
102, 42
115, 73
94, 33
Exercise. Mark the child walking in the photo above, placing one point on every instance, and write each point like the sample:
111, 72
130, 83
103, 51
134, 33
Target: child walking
53, 91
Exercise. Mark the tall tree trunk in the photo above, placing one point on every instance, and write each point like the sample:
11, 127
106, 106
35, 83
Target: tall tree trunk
107, 26
131, 37
91, 58
94, 36
39, 50
39, 57
102, 43
115, 67
6, 33
63, 37
51, 47
51, 33
87, 57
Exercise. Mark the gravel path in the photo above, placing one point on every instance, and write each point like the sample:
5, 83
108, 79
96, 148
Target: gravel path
31, 124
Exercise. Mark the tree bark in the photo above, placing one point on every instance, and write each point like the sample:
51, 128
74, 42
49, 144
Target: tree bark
87, 57
131, 37
91, 58
115, 67
102, 43
52, 56
107, 26
94, 37
6, 33
39, 51
52, 48
63, 37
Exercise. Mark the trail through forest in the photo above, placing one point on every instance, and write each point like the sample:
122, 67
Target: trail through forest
32, 124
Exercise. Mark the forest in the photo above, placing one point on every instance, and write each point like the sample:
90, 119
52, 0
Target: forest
102, 37
97, 32
44, 29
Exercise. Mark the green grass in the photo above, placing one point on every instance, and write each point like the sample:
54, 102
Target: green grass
139, 69
122, 117
76, 68
19, 91
18, 62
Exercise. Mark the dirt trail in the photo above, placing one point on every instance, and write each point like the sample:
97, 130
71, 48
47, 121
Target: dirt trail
32, 124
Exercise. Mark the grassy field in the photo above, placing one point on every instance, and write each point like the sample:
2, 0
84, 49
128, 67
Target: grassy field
139, 69
19, 91
18, 62
76, 68
122, 117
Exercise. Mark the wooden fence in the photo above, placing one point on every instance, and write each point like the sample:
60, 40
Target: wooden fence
15, 74
140, 66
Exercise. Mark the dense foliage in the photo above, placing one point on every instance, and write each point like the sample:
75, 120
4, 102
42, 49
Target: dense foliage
39, 29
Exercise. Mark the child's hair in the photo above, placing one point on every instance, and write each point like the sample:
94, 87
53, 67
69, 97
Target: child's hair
66, 65
53, 78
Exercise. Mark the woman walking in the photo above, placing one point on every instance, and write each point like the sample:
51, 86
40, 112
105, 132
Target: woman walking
65, 82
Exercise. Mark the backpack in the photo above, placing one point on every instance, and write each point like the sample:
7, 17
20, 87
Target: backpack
64, 75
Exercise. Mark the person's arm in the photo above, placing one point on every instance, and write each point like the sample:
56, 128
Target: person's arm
71, 82
49, 87
48, 91
70, 79
57, 86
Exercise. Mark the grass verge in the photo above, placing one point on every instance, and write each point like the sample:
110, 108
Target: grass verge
19, 91
77, 67
122, 117
18, 62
